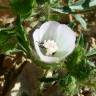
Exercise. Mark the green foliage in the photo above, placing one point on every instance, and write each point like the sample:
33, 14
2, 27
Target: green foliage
76, 7
63, 10
67, 10
81, 71
7, 41
77, 62
72, 24
22, 7
86, 3
76, 56
78, 66
81, 41
80, 19
81, 4
41, 1
22, 36
68, 85
91, 52
76, 3
92, 3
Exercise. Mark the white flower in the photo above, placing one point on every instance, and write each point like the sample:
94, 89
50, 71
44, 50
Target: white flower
55, 38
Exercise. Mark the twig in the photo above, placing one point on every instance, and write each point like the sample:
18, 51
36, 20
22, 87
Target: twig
4, 7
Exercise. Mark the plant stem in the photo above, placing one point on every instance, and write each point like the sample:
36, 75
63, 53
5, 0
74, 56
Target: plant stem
76, 11
4, 7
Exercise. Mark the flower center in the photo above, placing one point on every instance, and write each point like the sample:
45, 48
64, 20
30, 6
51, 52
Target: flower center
50, 46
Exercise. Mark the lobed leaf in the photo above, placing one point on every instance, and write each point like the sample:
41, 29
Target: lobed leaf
22, 7
81, 21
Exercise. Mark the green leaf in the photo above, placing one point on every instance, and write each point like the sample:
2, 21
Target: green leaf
22, 7
82, 70
86, 3
92, 3
77, 63
91, 52
91, 63
68, 85
64, 10
76, 57
22, 36
81, 21
7, 41
76, 5
72, 24
81, 41
82, 4
78, 2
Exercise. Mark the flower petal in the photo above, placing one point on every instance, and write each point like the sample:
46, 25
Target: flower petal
51, 30
44, 58
47, 30
65, 40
